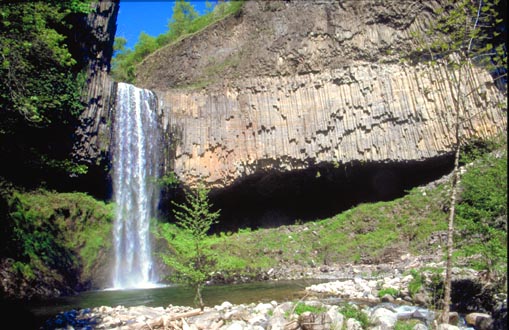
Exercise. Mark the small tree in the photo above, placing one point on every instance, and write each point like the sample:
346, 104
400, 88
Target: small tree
183, 14
192, 260
462, 37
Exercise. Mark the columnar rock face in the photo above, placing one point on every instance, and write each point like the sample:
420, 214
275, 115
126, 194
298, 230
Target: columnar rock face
362, 113
94, 134
289, 85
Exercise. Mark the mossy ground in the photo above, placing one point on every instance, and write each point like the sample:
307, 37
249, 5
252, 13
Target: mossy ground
384, 231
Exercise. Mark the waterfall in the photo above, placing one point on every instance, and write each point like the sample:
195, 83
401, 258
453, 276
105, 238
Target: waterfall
135, 170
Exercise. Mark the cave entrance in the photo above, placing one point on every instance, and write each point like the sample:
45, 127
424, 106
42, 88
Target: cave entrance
273, 198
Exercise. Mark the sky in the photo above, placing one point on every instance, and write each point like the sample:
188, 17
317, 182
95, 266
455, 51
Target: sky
150, 17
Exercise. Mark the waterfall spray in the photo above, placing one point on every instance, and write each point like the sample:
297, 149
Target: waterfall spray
135, 171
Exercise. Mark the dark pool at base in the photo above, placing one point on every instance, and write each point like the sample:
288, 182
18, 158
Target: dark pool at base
175, 295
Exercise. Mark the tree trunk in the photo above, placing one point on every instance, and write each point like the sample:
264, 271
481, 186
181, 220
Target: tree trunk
459, 103
450, 232
199, 298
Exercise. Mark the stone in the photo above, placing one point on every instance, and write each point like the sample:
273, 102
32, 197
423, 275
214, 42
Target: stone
263, 307
257, 319
478, 319
384, 318
286, 107
420, 326
421, 299
337, 319
206, 320
235, 325
454, 318
444, 326
313, 321
276, 323
353, 324
282, 309
251, 135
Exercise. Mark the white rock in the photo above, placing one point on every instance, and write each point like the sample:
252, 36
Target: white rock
225, 305
420, 326
384, 317
235, 325
353, 324
337, 318
263, 308
258, 319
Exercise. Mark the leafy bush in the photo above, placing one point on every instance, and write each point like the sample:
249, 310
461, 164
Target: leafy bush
300, 308
416, 283
390, 291
351, 311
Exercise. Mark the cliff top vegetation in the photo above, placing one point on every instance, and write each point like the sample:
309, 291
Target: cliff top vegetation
185, 21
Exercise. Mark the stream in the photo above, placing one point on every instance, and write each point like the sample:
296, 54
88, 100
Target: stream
175, 295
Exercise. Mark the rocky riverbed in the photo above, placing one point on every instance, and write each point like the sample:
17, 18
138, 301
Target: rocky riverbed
355, 297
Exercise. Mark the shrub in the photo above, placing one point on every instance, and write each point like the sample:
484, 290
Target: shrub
391, 291
351, 311
416, 283
302, 308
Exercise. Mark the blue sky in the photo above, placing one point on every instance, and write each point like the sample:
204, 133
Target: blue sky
150, 17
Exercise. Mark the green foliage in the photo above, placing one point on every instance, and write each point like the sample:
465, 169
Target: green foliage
482, 214
468, 29
351, 311
185, 21
361, 234
37, 81
191, 258
416, 283
183, 15
405, 324
25, 270
435, 285
195, 215
169, 180
302, 308
41, 85
390, 291
51, 232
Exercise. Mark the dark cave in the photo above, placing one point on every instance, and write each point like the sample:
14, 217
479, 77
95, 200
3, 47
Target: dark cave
274, 198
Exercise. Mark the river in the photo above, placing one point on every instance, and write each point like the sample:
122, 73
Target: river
175, 295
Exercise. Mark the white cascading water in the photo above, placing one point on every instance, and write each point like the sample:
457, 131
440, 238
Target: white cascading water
135, 170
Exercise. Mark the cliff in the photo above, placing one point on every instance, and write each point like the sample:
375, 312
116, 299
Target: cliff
93, 135
284, 86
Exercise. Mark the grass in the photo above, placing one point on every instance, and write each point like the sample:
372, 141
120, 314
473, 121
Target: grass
43, 231
47, 231
368, 233
351, 311
302, 308
405, 324
390, 291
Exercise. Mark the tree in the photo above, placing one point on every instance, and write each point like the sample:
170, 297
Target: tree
41, 80
191, 259
183, 14
464, 35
